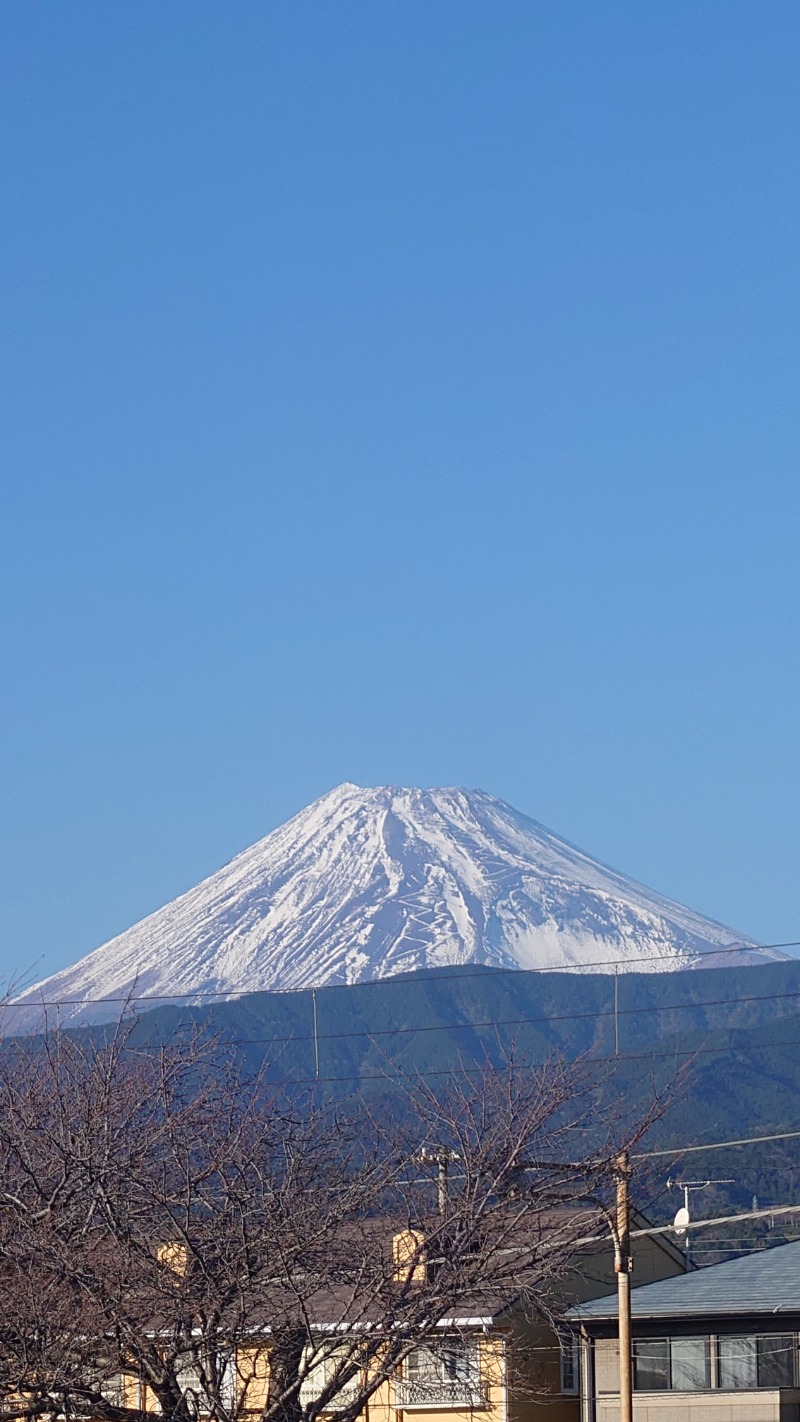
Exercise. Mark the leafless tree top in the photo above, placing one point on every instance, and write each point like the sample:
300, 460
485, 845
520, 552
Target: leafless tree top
162, 1217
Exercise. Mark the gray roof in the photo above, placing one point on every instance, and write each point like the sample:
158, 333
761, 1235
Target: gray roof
764, 1282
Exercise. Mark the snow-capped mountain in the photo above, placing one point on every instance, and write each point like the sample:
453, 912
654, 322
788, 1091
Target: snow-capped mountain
367, 883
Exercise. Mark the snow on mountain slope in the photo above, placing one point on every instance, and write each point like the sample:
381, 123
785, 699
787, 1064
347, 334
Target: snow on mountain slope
366, 883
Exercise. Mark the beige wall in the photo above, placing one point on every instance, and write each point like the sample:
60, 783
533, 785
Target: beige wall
594, 1274
713, 1406
710, 1405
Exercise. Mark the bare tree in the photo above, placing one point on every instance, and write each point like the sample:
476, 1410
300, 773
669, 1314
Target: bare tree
175, 1238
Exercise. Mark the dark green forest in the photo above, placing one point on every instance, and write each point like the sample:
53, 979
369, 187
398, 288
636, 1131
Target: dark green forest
725, 1044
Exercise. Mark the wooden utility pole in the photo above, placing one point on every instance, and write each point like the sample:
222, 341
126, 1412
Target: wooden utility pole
439, 1156
442, 1184
623, 1264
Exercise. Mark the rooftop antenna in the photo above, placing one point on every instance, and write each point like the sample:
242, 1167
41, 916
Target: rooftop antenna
683, 1218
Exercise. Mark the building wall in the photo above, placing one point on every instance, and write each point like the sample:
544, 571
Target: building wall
716, 1406
382, 1406
594, 1276
535, 1363
711, 1404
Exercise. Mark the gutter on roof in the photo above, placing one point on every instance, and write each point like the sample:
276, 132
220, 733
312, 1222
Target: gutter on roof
466, 1322
358, 1326
707, 1310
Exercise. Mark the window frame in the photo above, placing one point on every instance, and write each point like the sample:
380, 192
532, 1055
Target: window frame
759, 1362
570, 1364
324, 1361
667, 1340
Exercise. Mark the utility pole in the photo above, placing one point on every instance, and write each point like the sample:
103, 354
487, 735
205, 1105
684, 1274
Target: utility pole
623, 1264
439, 1156
316, 1034
442, 1190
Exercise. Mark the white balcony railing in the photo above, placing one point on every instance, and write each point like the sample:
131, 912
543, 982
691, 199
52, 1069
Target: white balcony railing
439, 1392
318, 1379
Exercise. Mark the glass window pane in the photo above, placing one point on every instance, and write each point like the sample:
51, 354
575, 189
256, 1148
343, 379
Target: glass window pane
737, 1362
650, 1364
314, 1379
455, 1363
228, 1386
422, 1364
114, 1390
570, 1364
689, 1364
776, 1360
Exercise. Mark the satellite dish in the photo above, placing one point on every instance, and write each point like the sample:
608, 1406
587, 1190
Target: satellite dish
680, 1224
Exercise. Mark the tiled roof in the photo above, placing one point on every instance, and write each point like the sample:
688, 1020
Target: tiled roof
765, 1282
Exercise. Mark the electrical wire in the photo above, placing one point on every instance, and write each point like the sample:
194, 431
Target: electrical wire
695, 1225
715, 1145
477, 1025
610, 1013
617, 1058
402, 979
461, 1070
719, 1219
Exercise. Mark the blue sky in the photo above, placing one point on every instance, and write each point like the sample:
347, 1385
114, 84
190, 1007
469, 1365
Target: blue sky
399, 393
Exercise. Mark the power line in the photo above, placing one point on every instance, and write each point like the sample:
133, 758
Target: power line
460, 1070
671, 1152
721, 1219
518, 1021
476, 1025
715, 1145
674, 1054
648, 1056
226, 994
695, 1224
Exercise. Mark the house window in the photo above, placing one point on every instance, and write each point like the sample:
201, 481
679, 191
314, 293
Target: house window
570, 1363
114, 1390
321, 1369
689, 1364
187, 1376
197, 1397
737, 1363
775, 1359
444, 1373
651, 1364
757, 1362
228, 1382
671, 1364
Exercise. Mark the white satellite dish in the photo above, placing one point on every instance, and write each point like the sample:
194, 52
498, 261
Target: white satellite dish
680, 1224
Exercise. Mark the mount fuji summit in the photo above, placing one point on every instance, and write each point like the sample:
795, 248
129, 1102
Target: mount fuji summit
368, 883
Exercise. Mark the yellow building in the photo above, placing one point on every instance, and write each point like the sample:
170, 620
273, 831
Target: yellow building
508, 1363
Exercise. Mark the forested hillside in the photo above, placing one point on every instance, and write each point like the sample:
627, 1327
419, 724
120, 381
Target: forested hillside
725, 1041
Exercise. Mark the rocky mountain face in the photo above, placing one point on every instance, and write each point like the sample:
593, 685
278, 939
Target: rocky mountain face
369, 883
